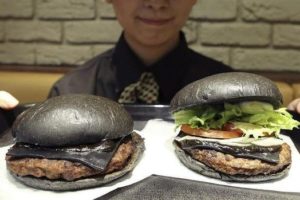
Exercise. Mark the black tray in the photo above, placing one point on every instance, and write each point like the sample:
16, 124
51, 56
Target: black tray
141, 112
162, 187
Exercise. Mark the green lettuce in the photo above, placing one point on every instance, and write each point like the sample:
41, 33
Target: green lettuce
254, 118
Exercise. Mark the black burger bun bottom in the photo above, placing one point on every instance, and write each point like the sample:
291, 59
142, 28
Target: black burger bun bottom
232, 87
64, 122
205, 170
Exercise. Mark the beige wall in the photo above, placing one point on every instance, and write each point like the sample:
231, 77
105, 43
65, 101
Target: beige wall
247, 34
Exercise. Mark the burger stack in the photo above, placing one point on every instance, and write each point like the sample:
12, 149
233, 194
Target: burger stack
73, 142
230, 126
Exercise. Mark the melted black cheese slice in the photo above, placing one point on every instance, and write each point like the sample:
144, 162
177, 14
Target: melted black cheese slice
96, 156
267, 154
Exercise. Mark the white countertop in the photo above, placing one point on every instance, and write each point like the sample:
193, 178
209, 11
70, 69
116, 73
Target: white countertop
159, 158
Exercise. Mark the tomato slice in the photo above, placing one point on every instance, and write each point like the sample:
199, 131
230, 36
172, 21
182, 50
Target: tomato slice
218, 134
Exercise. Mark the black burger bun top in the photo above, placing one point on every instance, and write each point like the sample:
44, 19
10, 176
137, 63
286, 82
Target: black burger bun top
227, 87
72, 120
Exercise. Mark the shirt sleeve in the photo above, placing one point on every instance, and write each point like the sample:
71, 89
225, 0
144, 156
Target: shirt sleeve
95, 77
80, 80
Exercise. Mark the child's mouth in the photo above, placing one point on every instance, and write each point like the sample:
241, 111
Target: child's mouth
155, 22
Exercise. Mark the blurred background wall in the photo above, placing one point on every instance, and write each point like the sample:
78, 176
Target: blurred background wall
246, 34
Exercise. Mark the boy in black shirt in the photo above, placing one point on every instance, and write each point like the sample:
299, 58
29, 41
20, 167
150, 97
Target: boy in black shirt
151, 42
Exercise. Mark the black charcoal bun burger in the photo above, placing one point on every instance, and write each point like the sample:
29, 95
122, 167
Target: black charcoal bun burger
73, 142
230, 128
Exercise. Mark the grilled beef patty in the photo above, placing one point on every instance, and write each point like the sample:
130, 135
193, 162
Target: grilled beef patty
68, 170
229, 164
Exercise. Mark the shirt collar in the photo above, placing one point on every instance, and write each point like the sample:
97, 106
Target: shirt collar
167, 71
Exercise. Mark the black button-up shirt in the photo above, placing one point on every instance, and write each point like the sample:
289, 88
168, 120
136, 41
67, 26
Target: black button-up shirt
109, 73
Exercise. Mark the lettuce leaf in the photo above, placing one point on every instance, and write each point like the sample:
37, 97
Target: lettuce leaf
254, 118
197, 116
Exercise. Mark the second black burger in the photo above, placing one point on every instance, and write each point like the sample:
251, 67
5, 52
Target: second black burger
230, 128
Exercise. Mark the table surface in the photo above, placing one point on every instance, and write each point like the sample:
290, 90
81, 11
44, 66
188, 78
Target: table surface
159, 158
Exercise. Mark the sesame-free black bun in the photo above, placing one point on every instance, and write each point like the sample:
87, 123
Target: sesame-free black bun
227, 87
72, 120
